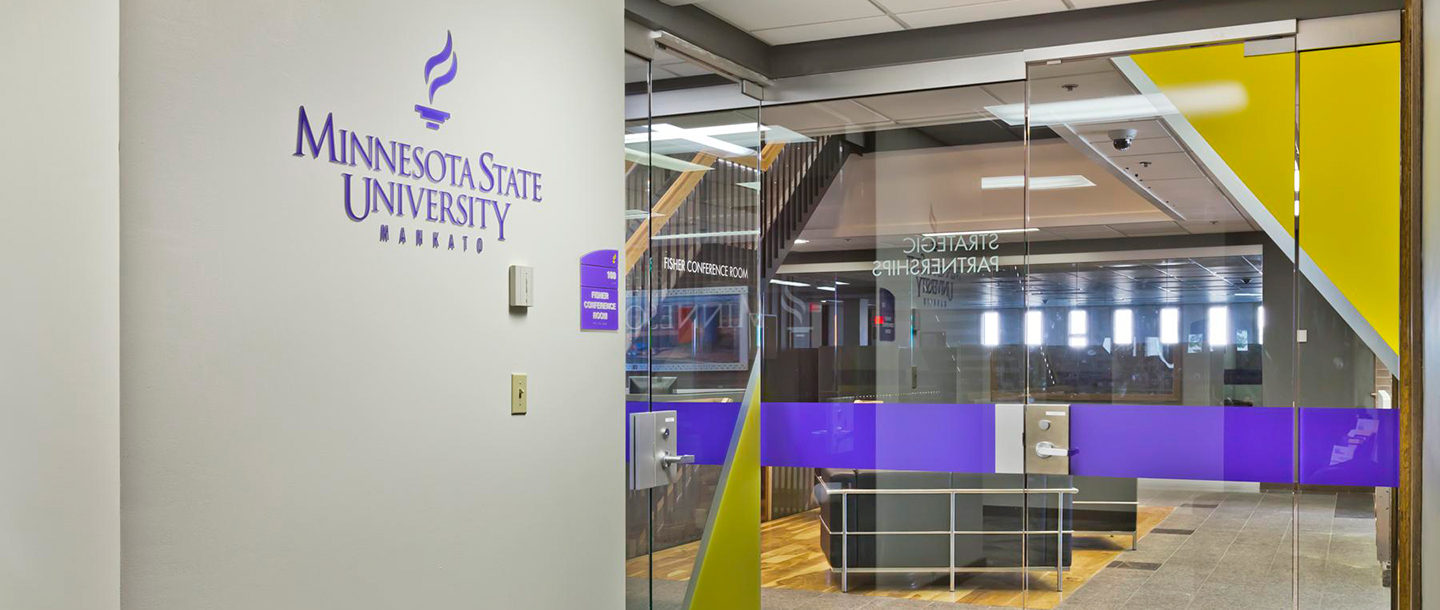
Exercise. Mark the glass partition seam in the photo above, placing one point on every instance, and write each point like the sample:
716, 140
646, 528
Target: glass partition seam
1294, 342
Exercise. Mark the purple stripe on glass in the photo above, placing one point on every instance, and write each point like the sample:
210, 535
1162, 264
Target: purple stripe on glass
1181, 442
705, 428
1340, 446
933, 437
1350, 447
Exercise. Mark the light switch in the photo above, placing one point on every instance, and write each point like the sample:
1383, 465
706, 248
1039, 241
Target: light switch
1302, 335
522, 286
519, 394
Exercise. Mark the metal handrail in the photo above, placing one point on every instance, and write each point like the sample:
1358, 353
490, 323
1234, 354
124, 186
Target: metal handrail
845, 532
958, 491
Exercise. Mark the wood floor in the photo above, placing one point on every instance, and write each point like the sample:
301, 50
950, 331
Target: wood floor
790, 558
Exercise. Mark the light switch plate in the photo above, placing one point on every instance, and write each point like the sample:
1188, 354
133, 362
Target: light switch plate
519, 394
522, 286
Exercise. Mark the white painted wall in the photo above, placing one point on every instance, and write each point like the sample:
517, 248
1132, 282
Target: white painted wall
312, 418
59, 288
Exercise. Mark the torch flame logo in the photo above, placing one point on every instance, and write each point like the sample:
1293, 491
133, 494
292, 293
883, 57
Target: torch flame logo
434, 118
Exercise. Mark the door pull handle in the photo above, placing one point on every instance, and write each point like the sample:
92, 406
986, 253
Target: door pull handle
1047, 449
666, 459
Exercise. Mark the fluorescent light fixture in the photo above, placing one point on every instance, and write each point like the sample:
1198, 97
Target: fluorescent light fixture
789, 283
826, 288
1037, 183
640, 214
1124, 331
754, 186
1218, 326
703, 140
955, 233
990, 328
748, 233
1079, 331
1260, 325
1034, 328
662, 161
1198, 100
703, 136
840, 283
1247, 294
1169, 326
666, 131
801, 241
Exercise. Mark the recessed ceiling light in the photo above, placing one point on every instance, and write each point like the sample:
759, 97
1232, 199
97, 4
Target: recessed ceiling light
1037, 183
801, 241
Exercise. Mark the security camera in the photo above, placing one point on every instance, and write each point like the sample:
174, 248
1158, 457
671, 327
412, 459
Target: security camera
1122, 138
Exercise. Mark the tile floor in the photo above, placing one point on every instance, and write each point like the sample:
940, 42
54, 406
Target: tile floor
1216, 550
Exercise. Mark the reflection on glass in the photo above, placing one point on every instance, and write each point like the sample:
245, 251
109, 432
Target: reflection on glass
1124, 331
1169, 326
990, 328
1219, 326
1034, 328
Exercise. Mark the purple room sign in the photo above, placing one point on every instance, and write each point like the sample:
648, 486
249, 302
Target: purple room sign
600, 290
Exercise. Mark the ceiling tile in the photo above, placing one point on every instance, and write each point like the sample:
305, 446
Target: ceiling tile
1085, 232
931, 104
1095, 3
686, 69
752, 15
1007, 93
817, 117
981, 12
1160, 167
832, 29
910, 6
1096, 89
1140, 229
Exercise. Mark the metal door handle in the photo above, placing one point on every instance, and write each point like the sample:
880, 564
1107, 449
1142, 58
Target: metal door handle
1047, 449
666, 459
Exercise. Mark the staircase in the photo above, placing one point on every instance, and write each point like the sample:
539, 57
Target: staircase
792, 189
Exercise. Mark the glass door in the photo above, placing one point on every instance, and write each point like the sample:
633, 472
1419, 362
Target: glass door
691, 264
1205, 377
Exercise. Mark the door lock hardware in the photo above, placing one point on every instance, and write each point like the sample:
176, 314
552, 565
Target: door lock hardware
666, 460
1047, 449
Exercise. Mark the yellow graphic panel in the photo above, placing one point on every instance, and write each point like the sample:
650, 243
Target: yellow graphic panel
1256, 138
727, 574
1350, 176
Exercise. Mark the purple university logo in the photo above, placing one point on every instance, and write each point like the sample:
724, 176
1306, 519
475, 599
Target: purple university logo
434, 118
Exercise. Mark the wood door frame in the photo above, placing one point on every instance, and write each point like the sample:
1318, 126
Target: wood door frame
1407, 587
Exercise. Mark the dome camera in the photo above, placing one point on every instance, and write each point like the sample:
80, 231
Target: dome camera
1122, 138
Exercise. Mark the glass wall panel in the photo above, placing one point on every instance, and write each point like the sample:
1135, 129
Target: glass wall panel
1347, 314
1160, 381
898, 241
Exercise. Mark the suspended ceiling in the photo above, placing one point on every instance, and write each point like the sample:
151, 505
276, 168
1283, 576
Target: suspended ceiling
779, 22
